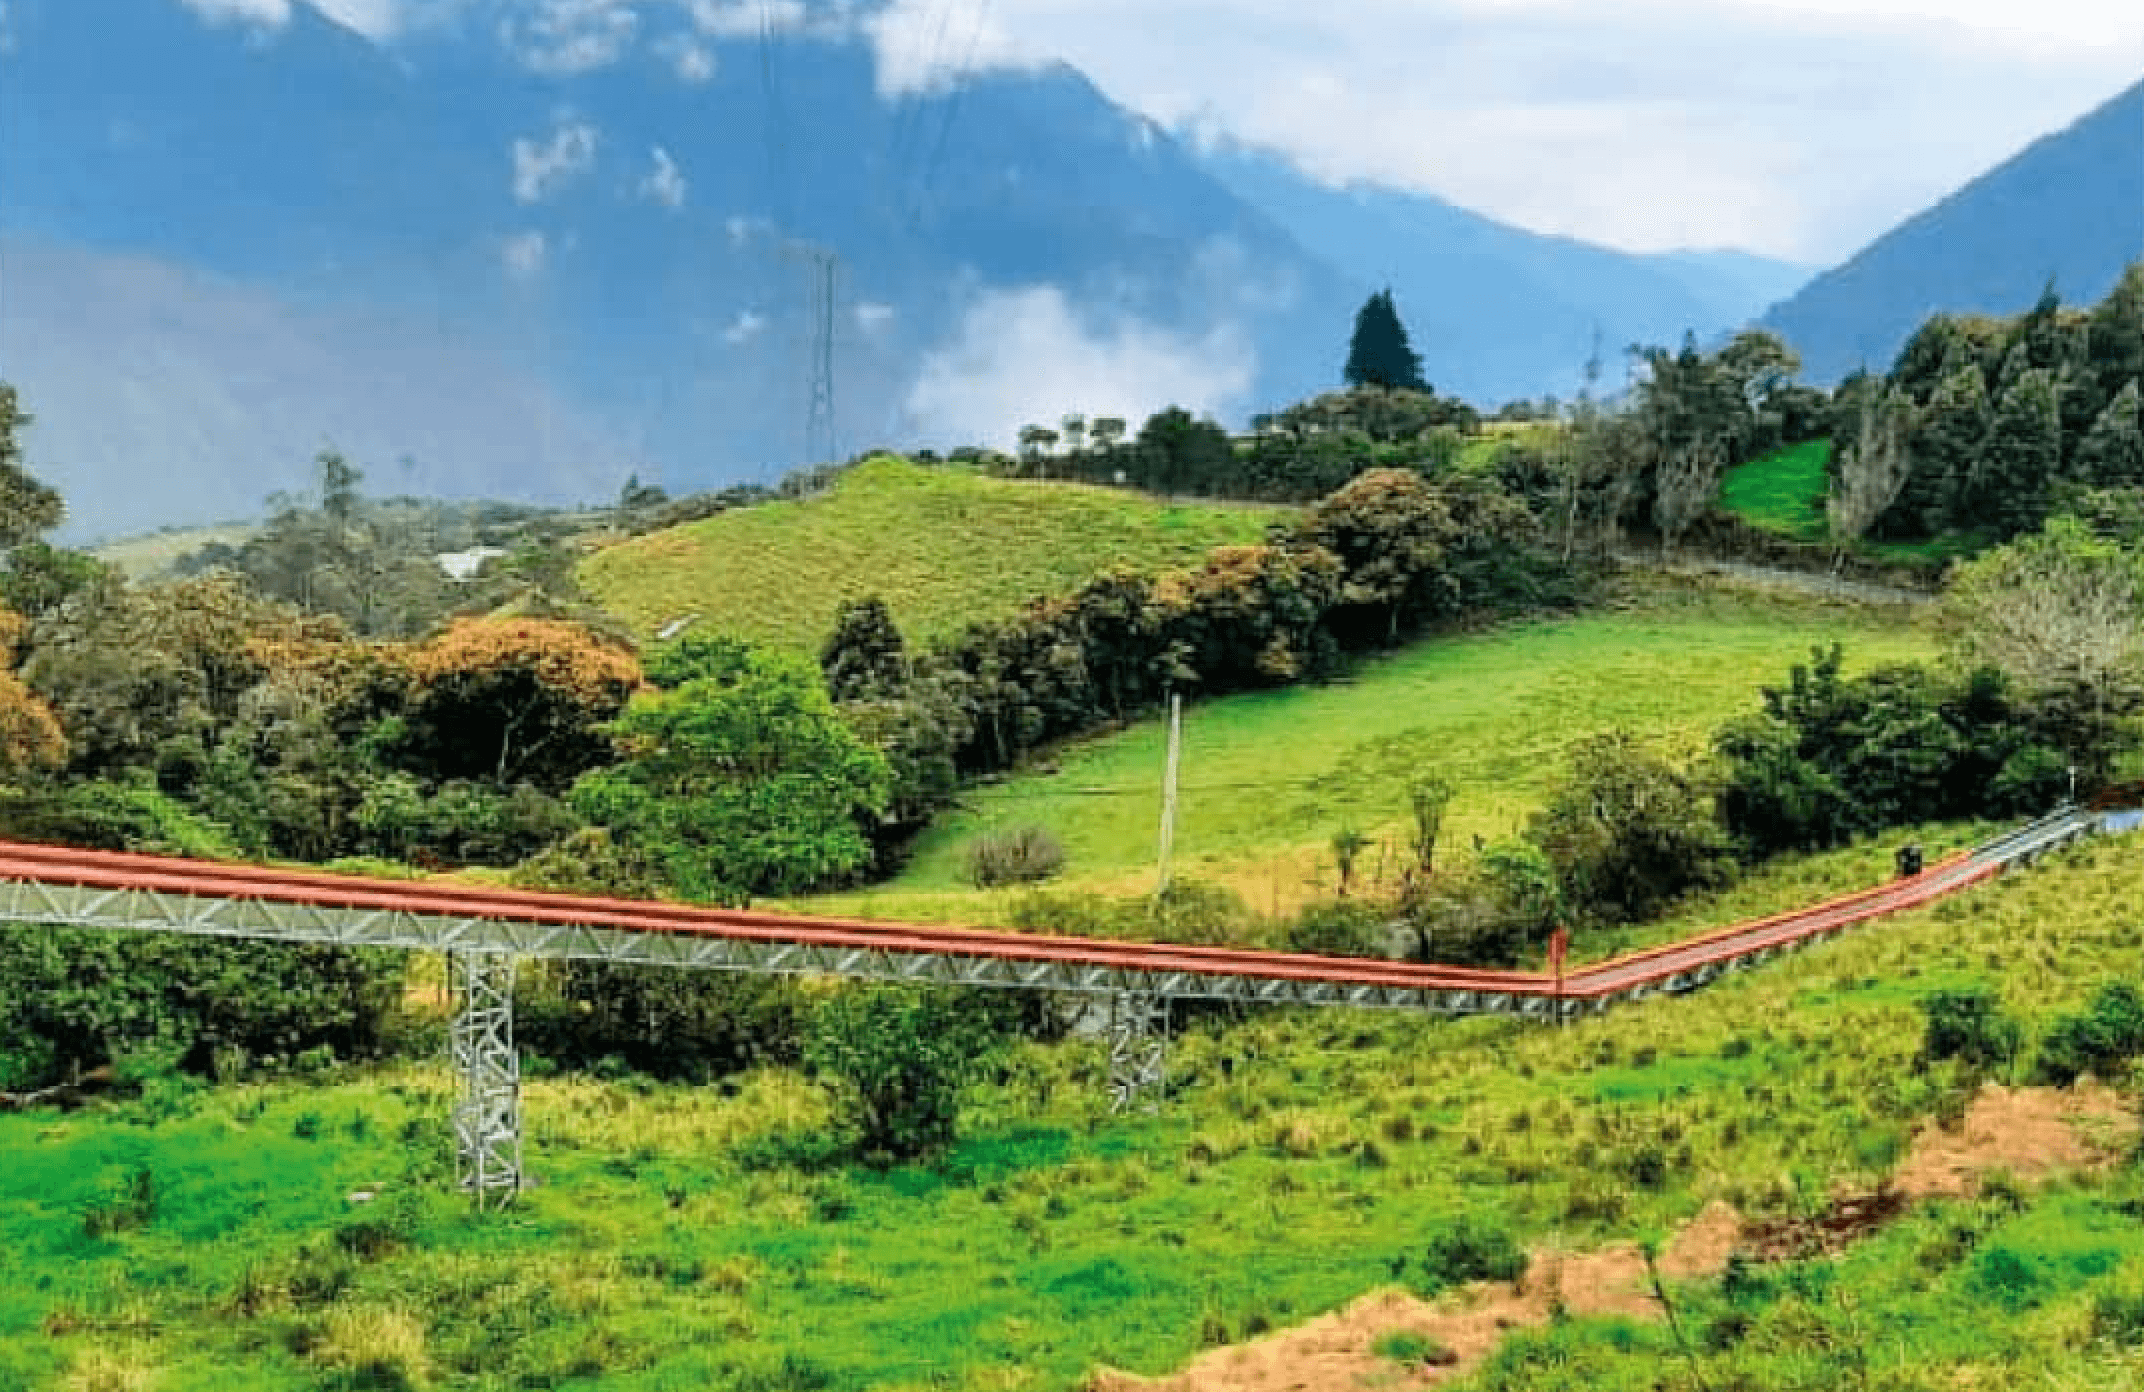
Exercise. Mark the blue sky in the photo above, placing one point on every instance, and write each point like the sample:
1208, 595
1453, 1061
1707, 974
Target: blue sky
1798, 128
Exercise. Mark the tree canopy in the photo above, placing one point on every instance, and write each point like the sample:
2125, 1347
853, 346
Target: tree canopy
1379, 354
739, 779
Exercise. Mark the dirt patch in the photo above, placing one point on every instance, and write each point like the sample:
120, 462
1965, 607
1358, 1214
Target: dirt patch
1850, 1218
2028, 1133
1332, 1353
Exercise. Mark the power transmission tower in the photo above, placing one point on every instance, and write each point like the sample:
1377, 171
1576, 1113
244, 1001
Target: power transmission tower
821, 443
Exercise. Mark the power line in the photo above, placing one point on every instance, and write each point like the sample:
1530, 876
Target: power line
961, 80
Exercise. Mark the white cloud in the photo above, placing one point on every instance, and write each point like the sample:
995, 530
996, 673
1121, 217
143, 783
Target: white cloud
541, 170
1795, 127
524, 254
739, 19
373, 18
253, 11
1024, 355
923, 45
563, 37
744, 328
690, 59
872, 316
665, 183
742, 229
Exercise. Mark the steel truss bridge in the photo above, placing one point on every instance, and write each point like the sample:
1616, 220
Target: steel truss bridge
485, 932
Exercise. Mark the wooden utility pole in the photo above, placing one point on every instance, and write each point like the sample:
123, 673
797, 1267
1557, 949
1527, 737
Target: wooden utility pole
1168, 791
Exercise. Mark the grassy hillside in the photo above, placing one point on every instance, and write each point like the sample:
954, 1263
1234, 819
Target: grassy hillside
1268, 778
941, 545
1782, 492
153, 554
1304, 1158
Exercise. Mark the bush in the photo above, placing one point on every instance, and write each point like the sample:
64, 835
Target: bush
2118, 1312
1467, 1252
1627, 831
1024, 855
1970, 1026
1831, 757
655, 1020
1340, 928
73, 999
661, 1021
2100, 1041
896, 1058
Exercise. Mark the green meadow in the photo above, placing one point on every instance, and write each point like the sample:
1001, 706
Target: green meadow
693, 1238
942, 545
1268, 778
1782, 492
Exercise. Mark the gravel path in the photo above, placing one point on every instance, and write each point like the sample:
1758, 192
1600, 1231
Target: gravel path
1801, 581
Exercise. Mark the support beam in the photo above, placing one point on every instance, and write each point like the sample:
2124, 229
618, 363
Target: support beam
487, 1116
1138, 1047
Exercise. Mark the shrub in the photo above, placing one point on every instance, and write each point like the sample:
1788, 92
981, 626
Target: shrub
2108, 1034
75, 999
132, 1205
378, 1346
1831, 757
1628, 831
1341, 928
1970, 1026
1410, 1347
1470, 1252
896, 1058
1023, 855
654, 1020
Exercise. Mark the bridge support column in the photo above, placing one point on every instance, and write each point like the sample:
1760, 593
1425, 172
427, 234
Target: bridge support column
487, 1116
1138, 1047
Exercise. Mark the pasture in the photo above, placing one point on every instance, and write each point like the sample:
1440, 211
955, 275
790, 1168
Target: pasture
943, 545
1269, 777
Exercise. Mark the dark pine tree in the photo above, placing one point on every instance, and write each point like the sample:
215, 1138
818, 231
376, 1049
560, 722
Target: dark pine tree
864, 658
1379, 355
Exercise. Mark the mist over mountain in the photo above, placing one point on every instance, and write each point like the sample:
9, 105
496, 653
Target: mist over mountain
2069, 208
530, 254
1499, 311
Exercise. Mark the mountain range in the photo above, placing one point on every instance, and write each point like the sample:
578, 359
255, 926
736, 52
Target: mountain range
515, 255
2066, 211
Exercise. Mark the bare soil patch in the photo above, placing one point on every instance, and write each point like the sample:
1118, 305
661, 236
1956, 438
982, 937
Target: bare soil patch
1332, 1353
2027, 1133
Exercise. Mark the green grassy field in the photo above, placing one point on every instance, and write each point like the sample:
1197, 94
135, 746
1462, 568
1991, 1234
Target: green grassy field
941, 545
1268, 778
1302, 1159
1783, 492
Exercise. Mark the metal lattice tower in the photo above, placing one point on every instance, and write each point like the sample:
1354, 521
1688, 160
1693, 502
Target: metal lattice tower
1138, 1047
820, 443
487, 1116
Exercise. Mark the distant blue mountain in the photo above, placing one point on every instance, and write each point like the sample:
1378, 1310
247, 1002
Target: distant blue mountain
222, 245
1497, 311
2068, 208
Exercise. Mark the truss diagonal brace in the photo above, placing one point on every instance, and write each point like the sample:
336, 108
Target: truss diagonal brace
487, 1116
1138, 1046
